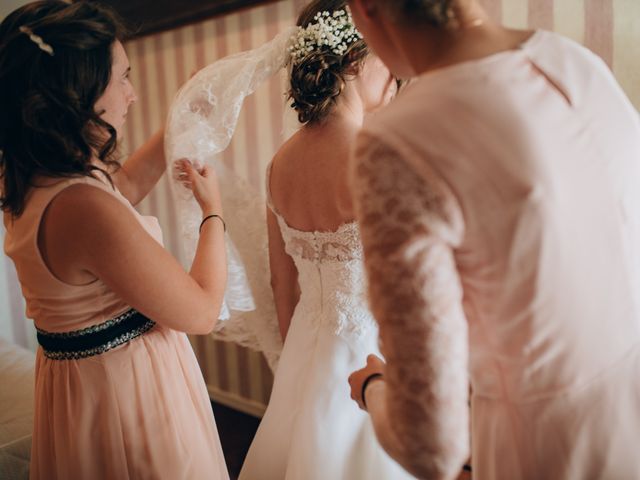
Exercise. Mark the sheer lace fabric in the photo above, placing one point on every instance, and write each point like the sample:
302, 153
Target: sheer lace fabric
410, 223
343, 245
330, 272
200, 125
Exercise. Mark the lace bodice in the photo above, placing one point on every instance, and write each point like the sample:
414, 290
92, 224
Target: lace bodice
330, 274
341, 246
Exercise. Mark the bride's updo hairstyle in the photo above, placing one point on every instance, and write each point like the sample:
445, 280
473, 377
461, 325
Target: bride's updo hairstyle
319, 75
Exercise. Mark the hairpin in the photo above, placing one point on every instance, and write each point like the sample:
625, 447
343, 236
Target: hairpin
37, 39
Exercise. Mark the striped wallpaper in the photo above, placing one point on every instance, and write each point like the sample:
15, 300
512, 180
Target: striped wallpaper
162, 62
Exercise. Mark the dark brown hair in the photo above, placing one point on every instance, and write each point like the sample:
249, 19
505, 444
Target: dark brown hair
48, 123
436, 13
318, 78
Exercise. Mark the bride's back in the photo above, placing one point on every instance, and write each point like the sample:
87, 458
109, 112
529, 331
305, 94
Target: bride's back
309, 181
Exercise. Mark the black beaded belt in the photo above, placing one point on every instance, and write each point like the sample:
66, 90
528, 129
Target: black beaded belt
95, 339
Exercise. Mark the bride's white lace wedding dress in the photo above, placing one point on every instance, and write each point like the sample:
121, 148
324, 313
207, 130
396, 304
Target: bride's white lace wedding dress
312, 429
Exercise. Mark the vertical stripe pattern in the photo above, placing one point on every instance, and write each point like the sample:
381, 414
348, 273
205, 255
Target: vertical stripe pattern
598, 33
162, 62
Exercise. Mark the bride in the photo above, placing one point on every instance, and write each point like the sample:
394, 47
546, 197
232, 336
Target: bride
311, 429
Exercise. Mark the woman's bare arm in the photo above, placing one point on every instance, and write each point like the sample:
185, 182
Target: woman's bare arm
87, 229
142, 170
284, 275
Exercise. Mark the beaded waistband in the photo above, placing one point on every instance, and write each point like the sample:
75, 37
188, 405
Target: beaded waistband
95, 339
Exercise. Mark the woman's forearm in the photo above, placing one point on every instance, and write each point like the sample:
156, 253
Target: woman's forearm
421, 408
142, 170
286, 296
284, 275
209, 268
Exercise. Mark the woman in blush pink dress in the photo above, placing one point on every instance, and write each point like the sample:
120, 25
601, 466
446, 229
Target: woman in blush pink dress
499, 208
118, 391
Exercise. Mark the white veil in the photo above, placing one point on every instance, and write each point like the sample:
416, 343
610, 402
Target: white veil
200, 125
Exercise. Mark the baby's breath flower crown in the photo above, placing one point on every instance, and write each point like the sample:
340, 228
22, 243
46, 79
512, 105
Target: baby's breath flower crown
333, 30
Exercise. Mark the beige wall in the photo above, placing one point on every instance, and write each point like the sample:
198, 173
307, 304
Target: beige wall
160, 63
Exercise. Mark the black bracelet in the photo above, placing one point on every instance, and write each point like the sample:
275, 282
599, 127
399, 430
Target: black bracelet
212, 216
366, 383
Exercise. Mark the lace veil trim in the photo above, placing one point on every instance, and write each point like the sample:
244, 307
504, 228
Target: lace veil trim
200, 125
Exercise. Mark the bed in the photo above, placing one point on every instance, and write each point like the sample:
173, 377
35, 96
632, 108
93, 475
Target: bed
16, 410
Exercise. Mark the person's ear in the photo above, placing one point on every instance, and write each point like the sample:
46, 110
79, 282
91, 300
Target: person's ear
354, 67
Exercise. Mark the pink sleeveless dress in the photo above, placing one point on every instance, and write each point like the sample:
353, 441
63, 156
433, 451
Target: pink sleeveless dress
138, 411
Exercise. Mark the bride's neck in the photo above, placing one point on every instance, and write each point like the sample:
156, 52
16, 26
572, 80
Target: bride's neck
349, 109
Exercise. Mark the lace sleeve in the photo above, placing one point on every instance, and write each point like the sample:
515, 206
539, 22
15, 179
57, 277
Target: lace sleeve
410, 222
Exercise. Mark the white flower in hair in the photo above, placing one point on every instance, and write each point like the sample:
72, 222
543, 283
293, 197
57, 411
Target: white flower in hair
333, 30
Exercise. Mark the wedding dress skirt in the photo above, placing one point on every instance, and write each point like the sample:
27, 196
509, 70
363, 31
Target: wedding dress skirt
312, 429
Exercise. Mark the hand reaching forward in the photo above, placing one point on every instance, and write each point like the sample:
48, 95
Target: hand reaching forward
203, 182
375, 366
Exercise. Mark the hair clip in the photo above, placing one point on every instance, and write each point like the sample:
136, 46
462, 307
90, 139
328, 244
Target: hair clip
37, 39
336, 31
